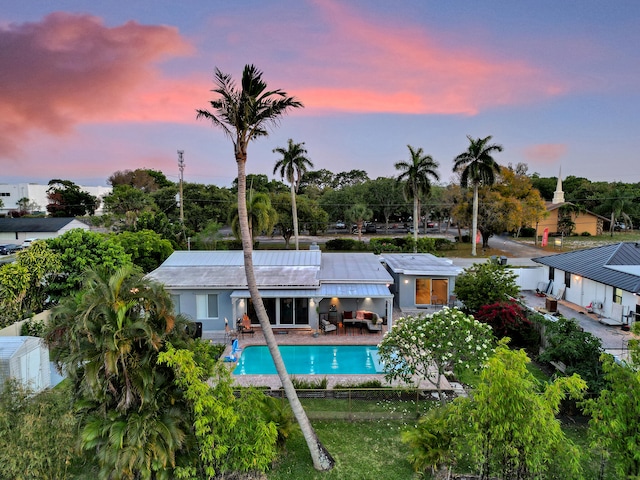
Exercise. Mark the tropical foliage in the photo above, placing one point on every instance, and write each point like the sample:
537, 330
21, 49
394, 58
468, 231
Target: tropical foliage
426, 347
485, 284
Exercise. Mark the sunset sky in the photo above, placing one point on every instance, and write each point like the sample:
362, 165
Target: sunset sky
88, 88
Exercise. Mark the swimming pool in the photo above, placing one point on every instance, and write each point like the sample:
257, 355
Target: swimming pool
312, 360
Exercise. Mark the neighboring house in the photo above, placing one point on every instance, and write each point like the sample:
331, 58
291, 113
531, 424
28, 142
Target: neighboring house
16, 230
584, 221
297, 287
421, 279
25, 359
607, 278
11, 194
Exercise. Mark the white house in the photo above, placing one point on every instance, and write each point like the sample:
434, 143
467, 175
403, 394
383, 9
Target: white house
25, 359
11, 194
16, 230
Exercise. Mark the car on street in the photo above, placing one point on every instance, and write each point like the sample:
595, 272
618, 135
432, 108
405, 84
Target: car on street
340, 225
370, 228
28, 241
9, 248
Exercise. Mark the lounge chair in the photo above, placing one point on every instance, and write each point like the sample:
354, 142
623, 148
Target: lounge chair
327, 326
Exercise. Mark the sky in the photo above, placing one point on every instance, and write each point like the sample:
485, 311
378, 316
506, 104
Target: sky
89, 88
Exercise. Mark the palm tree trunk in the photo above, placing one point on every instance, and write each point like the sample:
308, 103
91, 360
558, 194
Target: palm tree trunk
294, 211
416, 223
322, 459
474, 221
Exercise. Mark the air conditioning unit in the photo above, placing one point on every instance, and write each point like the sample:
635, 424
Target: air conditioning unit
599, 305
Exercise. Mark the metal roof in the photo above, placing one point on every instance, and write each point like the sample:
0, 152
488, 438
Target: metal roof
342, 290
221, 258
420, 264
616, 265
353, 268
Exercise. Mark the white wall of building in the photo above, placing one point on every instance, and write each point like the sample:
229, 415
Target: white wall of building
10, 194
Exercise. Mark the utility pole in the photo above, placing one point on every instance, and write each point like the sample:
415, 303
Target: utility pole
181, 166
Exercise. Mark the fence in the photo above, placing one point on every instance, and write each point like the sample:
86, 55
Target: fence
364, 403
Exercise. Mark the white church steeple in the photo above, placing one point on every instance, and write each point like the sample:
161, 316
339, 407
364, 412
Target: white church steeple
558, 195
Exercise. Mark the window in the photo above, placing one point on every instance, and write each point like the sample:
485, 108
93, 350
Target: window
567, 279
617, 295
552, 273
175, 299
302, 311
207, 306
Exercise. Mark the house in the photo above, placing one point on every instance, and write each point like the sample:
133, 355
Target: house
607, 278
421, 279
25, 359
16, 230
561, 212
298, 287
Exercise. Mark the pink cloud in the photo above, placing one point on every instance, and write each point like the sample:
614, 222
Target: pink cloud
360, 63
545, 153
69, 69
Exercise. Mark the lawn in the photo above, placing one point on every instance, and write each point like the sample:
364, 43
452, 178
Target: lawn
362, 451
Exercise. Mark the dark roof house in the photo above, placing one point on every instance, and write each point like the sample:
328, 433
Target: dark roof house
16, 230
607, 276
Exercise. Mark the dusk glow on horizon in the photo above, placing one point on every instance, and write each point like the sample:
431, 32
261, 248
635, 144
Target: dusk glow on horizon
106, 86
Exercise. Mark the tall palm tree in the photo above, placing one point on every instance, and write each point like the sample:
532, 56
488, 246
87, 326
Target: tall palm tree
477, 167
292, 166
244, 114
416, 175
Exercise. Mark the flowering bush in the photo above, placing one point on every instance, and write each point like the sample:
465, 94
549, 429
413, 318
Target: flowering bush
425, 347
508, 319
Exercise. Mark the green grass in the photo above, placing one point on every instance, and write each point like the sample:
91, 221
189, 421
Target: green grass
362, 451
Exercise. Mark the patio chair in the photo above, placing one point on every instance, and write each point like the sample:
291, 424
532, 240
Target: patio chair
327, 326
229, 335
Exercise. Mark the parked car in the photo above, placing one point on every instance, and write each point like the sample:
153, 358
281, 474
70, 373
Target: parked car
9, 248
619, 227
341, 225
370, 228
28, 241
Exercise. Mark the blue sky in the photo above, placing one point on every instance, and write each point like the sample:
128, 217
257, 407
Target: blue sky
94, 87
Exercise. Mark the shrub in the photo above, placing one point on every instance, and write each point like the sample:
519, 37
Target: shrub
444, 244
484, 284
379, 245
344, 245
32, 328
527, 232
365, 384
463, 239
508, 319
301, 384
585, 234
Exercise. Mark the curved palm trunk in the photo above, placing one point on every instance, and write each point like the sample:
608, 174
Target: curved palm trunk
474, 221
294, 212
322, 459
416, 224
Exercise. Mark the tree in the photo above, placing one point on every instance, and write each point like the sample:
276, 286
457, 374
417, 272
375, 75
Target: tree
385, 198
143, 179
508, 426
477, 167
293, 164
484, 284
615, 418
106, 339
447, 340
261, 214
81, 250
23, 283
67, 200
508, 319
357, 214
244, 114
146, 248
417, 175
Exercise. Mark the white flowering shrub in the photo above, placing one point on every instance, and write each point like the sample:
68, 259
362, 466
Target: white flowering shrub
425, 347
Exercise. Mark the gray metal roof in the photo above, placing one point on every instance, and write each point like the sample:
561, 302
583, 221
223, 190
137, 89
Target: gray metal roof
10, 345
342, 290
420, 264
34, 224
221, 258
616, 265
353, 268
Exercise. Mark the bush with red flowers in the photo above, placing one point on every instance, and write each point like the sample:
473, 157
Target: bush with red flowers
508, 319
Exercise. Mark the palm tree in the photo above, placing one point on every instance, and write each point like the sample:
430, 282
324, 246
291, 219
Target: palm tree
292, 166
244, 114
417, 176
357, 214
107, 340
477, 167
261, 214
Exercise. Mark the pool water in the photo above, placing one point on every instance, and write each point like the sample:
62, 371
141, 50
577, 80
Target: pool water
311, 360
